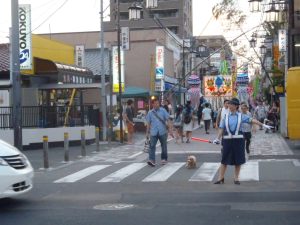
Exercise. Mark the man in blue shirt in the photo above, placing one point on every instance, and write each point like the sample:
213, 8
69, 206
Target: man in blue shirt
157, 128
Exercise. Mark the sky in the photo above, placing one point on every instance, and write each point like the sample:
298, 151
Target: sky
77, 15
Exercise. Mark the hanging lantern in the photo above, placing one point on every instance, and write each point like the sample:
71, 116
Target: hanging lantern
272, 15
255, 5
252, 43
263, 50
151, 4
135, 11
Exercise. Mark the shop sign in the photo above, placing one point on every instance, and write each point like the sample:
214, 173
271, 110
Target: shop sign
25, 37
79, 55
125, 38
159, 85
115, 63
282, 40
159, 68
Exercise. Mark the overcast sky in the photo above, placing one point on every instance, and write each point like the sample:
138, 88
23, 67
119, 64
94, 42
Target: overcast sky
78, 15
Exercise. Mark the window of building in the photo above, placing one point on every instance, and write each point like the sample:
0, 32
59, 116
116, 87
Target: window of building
124, 15
164, 13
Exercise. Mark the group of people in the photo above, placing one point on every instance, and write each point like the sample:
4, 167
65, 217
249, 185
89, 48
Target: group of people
234, 129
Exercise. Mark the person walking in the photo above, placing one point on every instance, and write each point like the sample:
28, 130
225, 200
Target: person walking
158, 124
200, 108
206, 116
246, 128
128, 116
233, 152
188, 120
178, 124
260, 113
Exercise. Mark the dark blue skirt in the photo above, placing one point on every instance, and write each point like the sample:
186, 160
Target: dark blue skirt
233, 151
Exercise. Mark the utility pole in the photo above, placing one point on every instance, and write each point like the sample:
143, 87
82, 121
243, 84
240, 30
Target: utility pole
103, 95
183, 69
119, 71
15, 75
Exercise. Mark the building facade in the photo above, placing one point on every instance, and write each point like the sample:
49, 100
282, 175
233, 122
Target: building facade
176, 15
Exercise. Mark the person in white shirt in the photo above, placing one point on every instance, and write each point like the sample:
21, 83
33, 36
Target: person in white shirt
222, 112
206, 116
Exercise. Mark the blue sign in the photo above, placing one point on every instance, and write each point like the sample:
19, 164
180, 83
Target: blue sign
159, 72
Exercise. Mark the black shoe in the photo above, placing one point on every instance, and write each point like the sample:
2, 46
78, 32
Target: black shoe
220, 181
151, 163
237, 182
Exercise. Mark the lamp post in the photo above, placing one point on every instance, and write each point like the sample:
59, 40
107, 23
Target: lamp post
272, 15
255, 5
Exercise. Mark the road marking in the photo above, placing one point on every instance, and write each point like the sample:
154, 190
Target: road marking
135, 155
195, 152
164, 172
206, 172
81, 174
123, 173
249, 171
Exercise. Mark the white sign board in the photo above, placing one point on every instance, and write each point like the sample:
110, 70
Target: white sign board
159, 68
282, 39
4, 98
25, 37
125, 38
115, 67
79, 55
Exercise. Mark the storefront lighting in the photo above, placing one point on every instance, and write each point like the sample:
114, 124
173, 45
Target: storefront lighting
297, 45
255, 5
135, 11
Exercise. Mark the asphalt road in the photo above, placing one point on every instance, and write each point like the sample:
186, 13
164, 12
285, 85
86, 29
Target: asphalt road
273, 199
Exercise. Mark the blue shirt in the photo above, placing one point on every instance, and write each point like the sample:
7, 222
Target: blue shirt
233, 120
156, 126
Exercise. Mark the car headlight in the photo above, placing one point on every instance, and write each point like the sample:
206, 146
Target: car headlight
3, 162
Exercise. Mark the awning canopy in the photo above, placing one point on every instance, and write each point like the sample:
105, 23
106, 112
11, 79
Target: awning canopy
174, 88
71, 86
132, 91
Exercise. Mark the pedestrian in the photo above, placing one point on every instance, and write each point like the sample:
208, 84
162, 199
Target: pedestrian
233, 152
128, 117
260, 113
222, 112
178, 124
158, 124
200, 108
206, 116
246, 128
188, 120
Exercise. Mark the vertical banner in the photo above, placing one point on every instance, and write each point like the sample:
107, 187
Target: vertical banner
115, 62
79, 55
282, 39
25, 37
125, 38
159, 68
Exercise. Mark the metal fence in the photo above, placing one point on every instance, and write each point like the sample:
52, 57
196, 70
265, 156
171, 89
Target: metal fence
52, 116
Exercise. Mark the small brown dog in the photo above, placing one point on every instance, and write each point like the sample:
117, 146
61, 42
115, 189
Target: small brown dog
191, 162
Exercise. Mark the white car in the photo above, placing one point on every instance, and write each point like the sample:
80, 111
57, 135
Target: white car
16, 172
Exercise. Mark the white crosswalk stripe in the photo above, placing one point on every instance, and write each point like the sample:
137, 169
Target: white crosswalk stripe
164, 172
81, 174
249, 171
206, 172
123, 173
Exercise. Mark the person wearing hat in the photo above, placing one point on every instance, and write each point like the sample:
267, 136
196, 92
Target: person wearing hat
233, 152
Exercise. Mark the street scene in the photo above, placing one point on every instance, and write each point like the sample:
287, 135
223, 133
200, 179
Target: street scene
149, 112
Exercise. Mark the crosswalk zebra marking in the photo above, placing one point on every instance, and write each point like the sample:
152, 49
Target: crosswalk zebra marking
123, 173
206, 172
249, 171
81, 174
164, 172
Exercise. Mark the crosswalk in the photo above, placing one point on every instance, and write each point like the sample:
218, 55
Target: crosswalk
206, 172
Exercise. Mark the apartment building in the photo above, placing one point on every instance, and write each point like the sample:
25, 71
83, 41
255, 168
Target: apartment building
176, 15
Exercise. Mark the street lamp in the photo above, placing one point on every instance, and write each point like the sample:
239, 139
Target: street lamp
135, 11
255, 5
252, 43
272, 15
263, 50
151, 4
